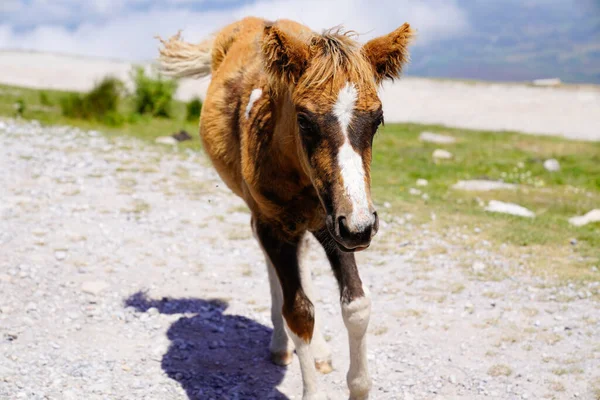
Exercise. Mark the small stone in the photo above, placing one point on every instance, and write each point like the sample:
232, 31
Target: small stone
387, 205
482, 185
452, 379
60, 255
470, 308
440, 154
94, 287
509, 208
168, 140
431, 137
573, 241
478, 266
422, 182
153, 311
552, 165
414, 192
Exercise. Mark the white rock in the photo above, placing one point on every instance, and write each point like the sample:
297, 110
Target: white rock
478, 266
440, 154
414, 192
431, 137
509, 208
481, 185
547, 82
93, 287
165, 140
422, 182
552, 165
60, 255
592, 216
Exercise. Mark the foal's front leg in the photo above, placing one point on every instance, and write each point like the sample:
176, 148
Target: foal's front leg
356, 311
297, 310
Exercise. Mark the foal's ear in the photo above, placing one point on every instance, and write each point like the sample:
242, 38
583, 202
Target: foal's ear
387, 54
286, 57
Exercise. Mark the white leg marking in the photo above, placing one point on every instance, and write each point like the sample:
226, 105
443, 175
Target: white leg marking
356, 318
319, 347
280, 345
307, 367
255, 95
280, 342
351, 163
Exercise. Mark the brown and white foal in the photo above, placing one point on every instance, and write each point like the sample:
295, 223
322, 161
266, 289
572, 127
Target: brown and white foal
288, 122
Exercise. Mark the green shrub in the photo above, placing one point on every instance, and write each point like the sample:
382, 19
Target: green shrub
194, 108
44, 99
101, 103
152, 95
20, 107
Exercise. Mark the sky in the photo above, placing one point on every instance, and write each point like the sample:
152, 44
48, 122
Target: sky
125, 29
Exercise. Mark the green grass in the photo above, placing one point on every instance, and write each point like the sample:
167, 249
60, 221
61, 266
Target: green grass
400, 159
143, 127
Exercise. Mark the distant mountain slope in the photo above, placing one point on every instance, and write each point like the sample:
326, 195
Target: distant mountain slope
516, 40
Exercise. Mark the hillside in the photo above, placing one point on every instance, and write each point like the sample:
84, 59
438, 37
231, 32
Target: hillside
518, 40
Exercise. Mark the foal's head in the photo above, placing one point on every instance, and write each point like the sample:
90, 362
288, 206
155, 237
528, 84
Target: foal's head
333, 85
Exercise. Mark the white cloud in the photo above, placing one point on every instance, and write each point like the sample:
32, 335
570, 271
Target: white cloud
110, 29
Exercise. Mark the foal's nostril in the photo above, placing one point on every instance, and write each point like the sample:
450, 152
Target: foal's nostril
343, 230
375, 224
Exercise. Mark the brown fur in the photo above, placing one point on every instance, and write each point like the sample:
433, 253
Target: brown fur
287, 173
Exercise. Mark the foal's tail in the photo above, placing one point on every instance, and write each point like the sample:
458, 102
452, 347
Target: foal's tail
180, 59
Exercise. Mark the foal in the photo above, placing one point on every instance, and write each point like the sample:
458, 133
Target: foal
288, 123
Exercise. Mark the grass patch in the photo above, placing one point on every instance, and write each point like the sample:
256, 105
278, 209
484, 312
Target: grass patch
100, 104
542, 244
153, 95
400, 158
500, 370
144, 127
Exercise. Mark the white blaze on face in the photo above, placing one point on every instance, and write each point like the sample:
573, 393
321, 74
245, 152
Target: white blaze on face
255, 95
350, 162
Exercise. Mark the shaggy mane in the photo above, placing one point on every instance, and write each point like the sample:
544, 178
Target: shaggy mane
336, 51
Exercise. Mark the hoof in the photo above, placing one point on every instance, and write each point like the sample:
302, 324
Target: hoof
324, 366
282, 358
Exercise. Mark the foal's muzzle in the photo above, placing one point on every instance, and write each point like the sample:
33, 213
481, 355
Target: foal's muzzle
352, 234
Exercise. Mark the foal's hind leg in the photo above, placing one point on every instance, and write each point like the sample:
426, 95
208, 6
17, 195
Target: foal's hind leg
298, 311
356, 311
281, 347
319, 347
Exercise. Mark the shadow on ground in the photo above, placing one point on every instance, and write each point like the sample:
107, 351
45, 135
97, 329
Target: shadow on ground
213, 355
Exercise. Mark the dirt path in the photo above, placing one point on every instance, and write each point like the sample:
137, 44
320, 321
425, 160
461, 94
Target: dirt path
569, 111
112, 253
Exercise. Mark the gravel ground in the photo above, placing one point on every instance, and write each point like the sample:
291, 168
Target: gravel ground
128, 271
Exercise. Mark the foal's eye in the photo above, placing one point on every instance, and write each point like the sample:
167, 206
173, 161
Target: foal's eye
306, 125
377, 123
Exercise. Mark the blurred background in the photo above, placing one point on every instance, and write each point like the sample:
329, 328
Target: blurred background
512, 40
